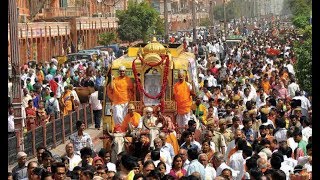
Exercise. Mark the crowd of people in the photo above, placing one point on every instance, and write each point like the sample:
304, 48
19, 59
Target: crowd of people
249, 120
48, 89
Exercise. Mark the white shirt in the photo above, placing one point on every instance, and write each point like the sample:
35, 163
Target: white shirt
305, 103
75, 95
186, 164
59, 90
286, 169
246, 99
211, 81
303, 160
25, 100
236, 163
10, 123
231, 145
168, 147
268, 122
225, 166
55, 61
74, 161
55, 104
10, 89
281, 135
95, 103
292, 144
308, 166
210, 173
292, 88
111, 167
152, 119
289, 161
290, 68
166, 156
306, 133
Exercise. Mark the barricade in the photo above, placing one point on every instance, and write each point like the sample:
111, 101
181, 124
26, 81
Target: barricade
49, 134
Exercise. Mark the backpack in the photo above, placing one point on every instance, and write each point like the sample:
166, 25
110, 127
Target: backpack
50, 108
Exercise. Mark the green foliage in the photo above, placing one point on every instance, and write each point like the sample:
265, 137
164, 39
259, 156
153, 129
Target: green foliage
106, 38
300, 7
301, 10
303, 67
300, 21
158, 26
135, 22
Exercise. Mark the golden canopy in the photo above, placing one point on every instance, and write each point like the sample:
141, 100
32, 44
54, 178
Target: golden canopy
154, 47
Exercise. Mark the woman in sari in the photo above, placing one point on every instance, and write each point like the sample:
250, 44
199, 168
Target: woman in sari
31, 113
42, 114
66, 101
205, 148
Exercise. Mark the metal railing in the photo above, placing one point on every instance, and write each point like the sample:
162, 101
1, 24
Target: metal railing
49, 135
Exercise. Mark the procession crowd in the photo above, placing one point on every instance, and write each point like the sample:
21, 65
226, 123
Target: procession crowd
249, 119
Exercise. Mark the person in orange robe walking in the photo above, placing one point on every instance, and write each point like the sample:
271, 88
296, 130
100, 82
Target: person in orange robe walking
120, 92
182, 92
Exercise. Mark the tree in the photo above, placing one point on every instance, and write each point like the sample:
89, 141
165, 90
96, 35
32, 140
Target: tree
137, 21
303, 69
106, 38
158, 26
301, 10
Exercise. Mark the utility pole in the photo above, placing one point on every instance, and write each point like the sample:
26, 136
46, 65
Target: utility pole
210, 13
254, 9
166, 25
224, 18
15, 63
194, 30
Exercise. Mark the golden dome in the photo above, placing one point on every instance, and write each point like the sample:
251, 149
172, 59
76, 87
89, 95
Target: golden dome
154, 47
152, 58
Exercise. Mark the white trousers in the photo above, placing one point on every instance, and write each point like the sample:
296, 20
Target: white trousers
119, 111
182, 119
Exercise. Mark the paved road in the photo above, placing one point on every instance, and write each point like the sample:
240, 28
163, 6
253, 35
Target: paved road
60, 150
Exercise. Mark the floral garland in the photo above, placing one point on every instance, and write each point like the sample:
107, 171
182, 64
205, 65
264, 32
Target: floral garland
164, 80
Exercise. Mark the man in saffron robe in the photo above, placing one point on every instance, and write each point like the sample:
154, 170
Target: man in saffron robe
182, 92
120, 92
132, 117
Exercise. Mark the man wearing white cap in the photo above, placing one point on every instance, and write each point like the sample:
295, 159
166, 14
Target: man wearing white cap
120, 92
148, 120
20, 170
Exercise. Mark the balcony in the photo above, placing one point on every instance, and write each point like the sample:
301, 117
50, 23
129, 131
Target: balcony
64, 12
